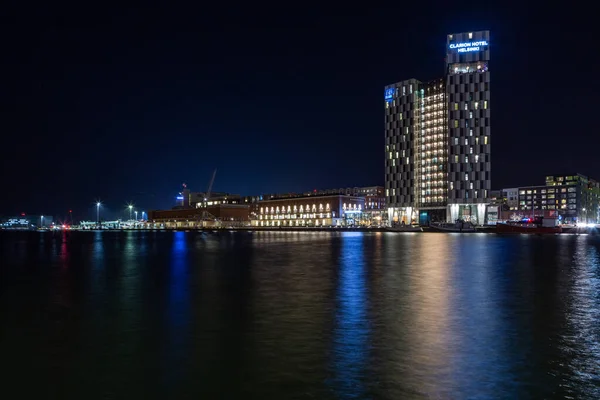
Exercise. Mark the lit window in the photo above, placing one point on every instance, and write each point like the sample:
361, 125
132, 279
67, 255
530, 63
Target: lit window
470, 132
485, 140
394, 162
261, 210
451, 185
470, 35
470, 185
470, 150
390, 155
485, 104
455, 140
466, 141
403, 90
400, 116
456, 123
466, 159
476, 158
466, 106
476, 140
476, 105
456, 106
455, 159
387, 105
393, 192
466, 177
407, 160
397, 154
470, 114
410, 89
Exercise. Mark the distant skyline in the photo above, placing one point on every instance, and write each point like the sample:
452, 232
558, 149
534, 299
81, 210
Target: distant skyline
127, 104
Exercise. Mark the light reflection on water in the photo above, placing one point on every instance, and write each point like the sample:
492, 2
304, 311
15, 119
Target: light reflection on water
300, 315
351, 326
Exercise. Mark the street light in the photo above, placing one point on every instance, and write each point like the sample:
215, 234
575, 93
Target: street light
143, 212
136, 215
98, 212
41, 221
130, 208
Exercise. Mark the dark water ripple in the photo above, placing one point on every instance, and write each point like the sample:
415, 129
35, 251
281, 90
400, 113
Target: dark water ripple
306, 315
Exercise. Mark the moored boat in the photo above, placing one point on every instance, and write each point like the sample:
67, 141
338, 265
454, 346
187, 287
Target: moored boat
406, 228
539, 226
459, 226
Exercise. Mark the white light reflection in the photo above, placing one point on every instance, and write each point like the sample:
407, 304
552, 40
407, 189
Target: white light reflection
579, 363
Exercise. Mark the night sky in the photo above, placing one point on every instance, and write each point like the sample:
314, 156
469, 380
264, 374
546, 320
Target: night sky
127, 104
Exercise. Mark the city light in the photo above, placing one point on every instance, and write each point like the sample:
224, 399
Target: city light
98, 204
389, 95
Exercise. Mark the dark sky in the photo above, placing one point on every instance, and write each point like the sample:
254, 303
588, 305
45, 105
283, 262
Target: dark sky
126, 104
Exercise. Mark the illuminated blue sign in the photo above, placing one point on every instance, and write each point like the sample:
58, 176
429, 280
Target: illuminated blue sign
390, 94
179, 197
468, 46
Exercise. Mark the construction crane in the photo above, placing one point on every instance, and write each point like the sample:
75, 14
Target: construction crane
206, 216
210, 185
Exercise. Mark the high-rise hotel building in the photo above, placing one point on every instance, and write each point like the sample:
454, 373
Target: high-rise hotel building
437, 138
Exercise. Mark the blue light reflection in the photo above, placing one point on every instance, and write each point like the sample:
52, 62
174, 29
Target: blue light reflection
352, 330
178, 307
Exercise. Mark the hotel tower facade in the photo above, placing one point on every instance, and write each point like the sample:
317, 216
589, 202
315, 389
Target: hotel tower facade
437, 139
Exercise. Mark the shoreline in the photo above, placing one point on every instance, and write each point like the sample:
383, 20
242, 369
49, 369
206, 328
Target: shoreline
249, 229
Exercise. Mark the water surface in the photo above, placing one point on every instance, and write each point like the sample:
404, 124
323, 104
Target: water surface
286, 315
